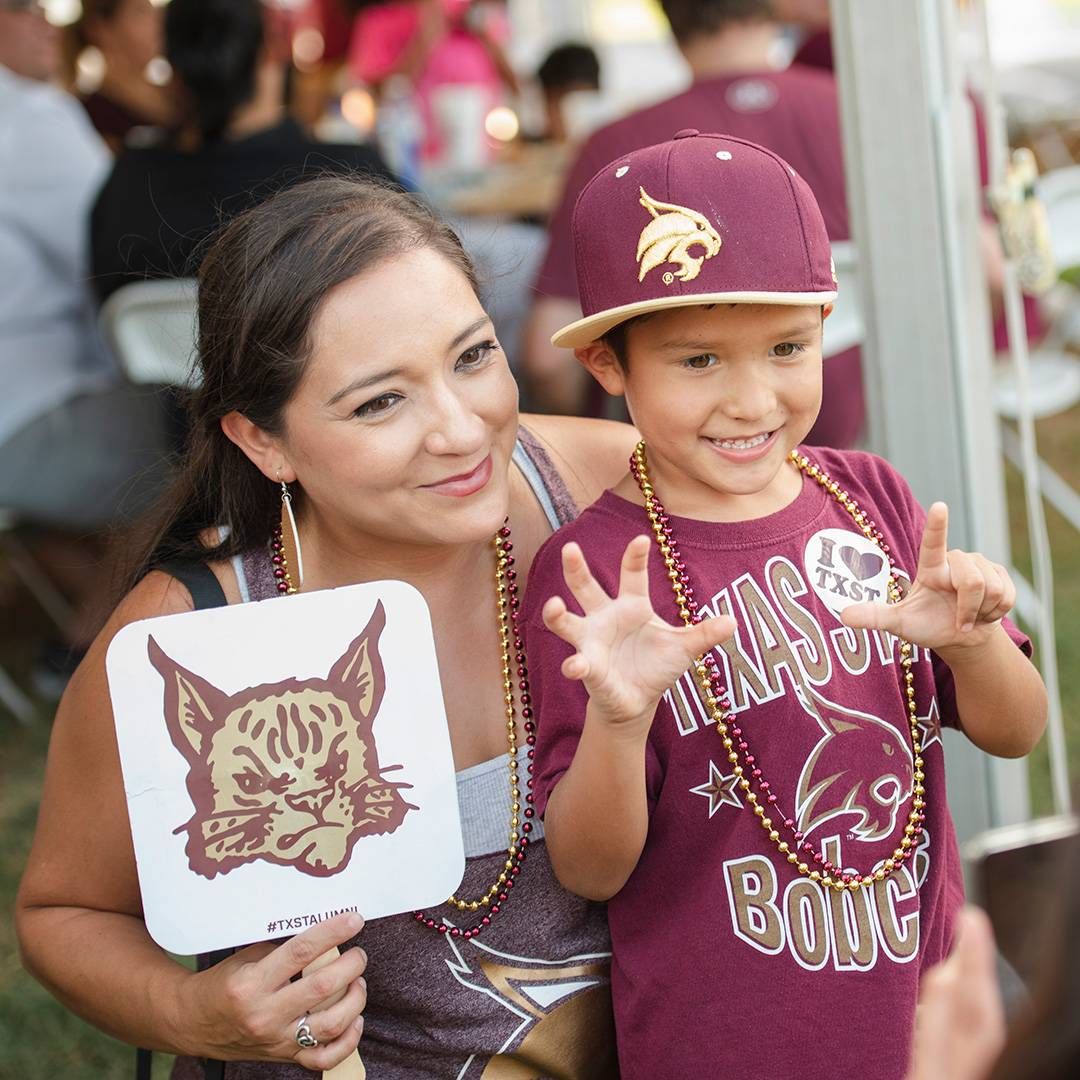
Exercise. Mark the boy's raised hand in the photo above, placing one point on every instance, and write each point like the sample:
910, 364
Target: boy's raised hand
957, 599
626, 655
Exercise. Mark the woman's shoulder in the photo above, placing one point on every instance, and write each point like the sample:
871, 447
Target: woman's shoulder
590, 455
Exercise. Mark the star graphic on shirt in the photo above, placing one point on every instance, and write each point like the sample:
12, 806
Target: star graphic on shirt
719, 789
930, 725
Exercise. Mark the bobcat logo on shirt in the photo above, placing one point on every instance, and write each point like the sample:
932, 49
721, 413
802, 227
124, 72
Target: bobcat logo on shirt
673, 231
828, 787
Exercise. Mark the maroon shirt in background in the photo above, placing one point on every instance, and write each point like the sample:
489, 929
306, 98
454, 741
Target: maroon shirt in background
793, 113
726, 961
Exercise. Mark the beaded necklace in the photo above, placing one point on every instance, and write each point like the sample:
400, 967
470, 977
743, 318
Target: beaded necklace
509, 605
785, 834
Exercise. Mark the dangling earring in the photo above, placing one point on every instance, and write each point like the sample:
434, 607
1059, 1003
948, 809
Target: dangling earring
287, 516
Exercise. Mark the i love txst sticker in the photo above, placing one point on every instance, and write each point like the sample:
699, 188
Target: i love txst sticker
845, 568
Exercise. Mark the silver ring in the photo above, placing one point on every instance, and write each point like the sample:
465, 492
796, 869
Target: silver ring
304, 1039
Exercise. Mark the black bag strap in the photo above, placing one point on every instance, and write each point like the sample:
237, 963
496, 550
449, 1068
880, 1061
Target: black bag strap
199, 580
206, 592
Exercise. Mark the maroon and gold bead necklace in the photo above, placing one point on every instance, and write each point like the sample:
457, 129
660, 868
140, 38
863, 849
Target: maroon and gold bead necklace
784, 832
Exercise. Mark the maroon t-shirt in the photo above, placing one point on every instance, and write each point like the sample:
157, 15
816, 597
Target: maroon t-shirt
726, 961
792, 112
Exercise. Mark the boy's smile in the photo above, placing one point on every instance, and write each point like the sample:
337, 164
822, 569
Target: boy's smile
721, 395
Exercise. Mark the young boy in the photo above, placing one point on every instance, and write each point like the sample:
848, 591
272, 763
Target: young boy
768, 817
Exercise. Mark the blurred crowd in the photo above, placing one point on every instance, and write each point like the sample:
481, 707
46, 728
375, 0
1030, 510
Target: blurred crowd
132, 132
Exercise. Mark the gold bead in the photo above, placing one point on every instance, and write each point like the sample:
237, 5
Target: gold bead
803, 868
793, 858
783, 847
815, 875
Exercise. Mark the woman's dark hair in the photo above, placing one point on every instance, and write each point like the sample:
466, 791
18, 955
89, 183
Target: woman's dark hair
213, 47
261, 285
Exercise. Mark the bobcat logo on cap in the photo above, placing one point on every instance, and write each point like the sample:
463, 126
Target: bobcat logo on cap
673, 231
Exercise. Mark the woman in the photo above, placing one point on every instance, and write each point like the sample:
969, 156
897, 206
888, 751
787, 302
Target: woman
127, 33
344, 353
233, 145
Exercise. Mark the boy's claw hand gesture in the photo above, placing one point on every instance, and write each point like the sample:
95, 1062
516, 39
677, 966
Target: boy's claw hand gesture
627, 656
958, 598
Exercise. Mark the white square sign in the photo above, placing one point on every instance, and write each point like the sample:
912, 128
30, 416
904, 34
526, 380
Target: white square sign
283, 761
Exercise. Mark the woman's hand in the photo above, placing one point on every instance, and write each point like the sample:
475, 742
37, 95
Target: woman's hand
247, 1007
957, 600
626, 655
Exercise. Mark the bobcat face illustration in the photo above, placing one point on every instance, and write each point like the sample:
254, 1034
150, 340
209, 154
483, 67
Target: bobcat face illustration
284, 772
862, 766
673, 231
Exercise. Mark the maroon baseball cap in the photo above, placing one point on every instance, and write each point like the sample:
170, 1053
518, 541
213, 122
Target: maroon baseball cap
700, 219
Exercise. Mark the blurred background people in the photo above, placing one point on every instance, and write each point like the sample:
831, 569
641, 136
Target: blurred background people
568, 70
449, 54
233, 144
729, 46
81, 450
127, 37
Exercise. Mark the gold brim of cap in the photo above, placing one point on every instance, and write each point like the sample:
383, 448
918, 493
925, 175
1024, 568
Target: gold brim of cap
586, 331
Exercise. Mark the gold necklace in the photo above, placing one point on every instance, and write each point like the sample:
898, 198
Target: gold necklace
795, 848
510, 645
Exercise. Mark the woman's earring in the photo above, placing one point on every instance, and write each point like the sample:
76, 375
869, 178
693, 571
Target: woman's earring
287, 515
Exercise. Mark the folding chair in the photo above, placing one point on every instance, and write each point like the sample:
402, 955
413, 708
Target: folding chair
151, 328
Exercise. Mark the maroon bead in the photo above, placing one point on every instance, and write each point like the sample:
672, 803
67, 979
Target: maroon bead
743, 745
504, 531
430, 923
750, 759
530, 753
530, 740
485, 921
418, 916
515, 870
736, 731
771, 799
442, 928
526, 827
526, 712
494, 909
798, 836
469, 933
807, 846
529, 797
455, 931
276, 560
827, 866
524, 843
764, 785
756, 773
789, 823
845, 878
529, 811
818, 858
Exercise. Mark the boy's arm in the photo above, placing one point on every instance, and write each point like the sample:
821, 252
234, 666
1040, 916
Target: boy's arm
626, 656
1000, 696
955, 607
597, 815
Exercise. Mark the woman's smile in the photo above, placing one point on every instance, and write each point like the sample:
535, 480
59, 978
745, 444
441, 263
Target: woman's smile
464, 484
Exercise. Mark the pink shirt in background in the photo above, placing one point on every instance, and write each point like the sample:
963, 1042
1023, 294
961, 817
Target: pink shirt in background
382, 33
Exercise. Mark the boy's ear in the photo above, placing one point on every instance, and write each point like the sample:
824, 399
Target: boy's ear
599, 360
826, 311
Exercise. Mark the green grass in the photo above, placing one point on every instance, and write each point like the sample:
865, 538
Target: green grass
39, 1038
1059, 445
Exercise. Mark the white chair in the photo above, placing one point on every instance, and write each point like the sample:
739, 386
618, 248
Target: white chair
151, 328
844, 327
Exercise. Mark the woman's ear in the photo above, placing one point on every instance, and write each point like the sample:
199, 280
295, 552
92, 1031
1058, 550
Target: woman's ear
602, 363
262, 449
